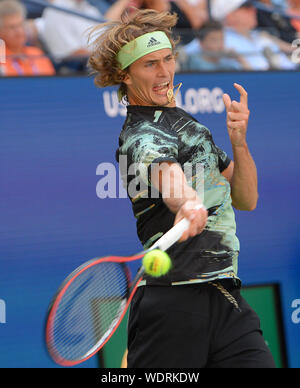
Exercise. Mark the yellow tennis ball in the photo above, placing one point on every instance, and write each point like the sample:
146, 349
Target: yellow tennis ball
157, 263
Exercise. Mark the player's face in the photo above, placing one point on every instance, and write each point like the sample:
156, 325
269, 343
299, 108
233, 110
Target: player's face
149, 79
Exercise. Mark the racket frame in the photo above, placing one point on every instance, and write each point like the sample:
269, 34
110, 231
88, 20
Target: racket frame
165, 242
131, 288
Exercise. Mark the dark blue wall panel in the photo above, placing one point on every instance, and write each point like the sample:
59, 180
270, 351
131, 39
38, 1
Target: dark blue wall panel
54, 132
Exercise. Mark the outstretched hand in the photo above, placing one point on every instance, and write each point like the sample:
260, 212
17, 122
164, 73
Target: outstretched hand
237, 117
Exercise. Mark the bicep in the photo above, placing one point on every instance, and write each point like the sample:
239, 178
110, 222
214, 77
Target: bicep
228, 172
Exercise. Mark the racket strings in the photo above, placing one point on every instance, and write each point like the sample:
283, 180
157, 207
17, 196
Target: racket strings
88, 309
88, 312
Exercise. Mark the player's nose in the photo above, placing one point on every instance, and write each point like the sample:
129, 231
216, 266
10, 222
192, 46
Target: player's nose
162, 69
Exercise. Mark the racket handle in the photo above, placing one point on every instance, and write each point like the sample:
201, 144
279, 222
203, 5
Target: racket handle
174, 234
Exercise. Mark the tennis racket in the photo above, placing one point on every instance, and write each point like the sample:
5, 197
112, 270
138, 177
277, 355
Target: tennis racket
92, 301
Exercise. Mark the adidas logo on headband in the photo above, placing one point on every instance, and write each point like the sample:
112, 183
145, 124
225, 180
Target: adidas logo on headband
152, 42
142, 45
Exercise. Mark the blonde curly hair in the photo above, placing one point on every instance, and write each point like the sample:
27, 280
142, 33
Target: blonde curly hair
108, 38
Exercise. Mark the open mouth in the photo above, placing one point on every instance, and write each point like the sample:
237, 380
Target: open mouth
161, 88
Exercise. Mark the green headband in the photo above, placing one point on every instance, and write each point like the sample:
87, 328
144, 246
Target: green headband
143, 45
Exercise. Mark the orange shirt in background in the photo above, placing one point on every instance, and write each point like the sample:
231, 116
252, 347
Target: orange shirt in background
32, 62
295, 22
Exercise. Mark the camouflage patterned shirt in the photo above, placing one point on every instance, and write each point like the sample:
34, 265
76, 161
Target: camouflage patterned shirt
161, 134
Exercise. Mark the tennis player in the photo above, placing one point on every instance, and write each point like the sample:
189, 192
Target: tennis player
194, 316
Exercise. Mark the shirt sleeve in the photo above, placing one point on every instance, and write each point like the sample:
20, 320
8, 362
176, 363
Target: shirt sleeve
223, 159
148, 144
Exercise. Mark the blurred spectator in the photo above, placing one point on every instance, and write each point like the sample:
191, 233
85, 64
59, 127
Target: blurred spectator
65, 36
294, 7
280, 4
260, 49
101, 5
33, 10
275, 23
220, 8
191, 14
213, 56
20, 59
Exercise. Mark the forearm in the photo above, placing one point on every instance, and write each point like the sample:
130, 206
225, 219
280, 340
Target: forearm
179, 197
244, 179
173, 202
170, 180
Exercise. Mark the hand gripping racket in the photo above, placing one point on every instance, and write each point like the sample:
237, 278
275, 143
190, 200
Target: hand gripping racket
92, 301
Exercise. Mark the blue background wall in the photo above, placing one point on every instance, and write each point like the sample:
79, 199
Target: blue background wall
54, 132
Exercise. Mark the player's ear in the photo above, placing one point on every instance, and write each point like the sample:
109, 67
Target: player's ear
127, 79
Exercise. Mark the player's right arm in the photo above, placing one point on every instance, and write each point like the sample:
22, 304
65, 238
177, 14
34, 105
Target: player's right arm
179, 197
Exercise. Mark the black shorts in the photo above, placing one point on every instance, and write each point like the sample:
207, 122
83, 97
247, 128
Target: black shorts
194, 326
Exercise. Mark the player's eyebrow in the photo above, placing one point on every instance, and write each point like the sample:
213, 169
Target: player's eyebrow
169, 56
151, 61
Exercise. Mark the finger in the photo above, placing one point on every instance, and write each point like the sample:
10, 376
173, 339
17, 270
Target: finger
238, 107
243, 94
196, 214
198, 224
227, 101
189, 216
189, 210
237, 124
193, 229
237, 116
184, 237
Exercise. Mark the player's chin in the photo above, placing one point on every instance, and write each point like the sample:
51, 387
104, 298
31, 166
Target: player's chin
160, 100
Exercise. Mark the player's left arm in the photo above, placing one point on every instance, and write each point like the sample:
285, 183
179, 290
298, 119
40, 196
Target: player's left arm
241, 173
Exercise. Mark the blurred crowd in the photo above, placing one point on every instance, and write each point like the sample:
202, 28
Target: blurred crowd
215, 35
